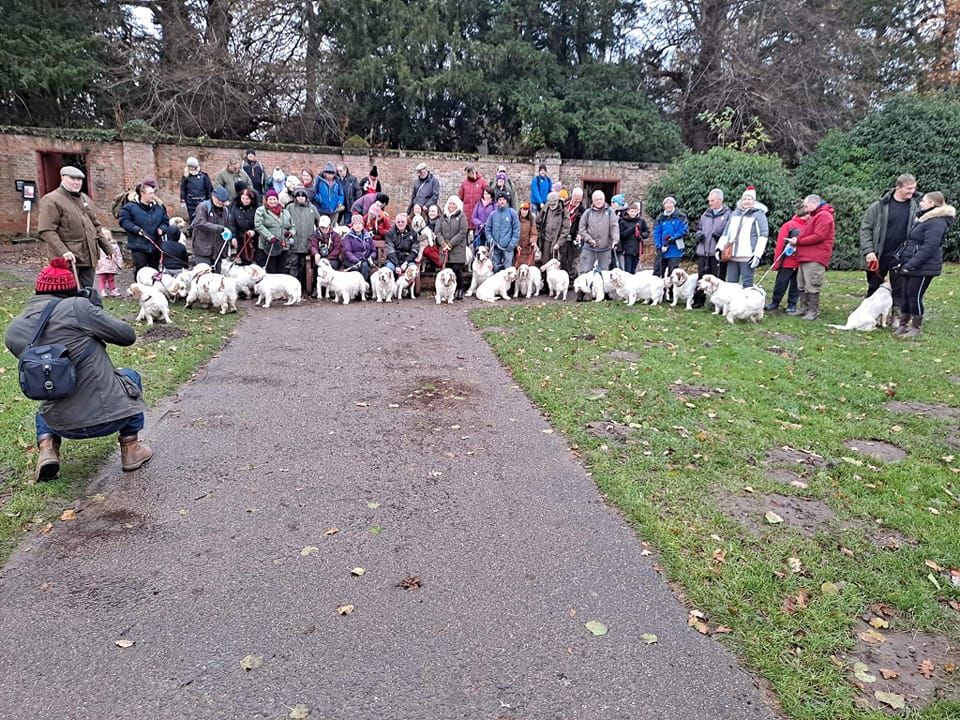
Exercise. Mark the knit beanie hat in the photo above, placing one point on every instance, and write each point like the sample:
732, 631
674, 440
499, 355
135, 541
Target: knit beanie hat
553, 197
56, 277
751, 191
149, 181
356, 219
619, 199
173, 233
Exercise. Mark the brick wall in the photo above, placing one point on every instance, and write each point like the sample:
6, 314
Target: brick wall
118, 164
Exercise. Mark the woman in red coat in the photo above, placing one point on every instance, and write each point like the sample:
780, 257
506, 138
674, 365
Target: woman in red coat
814, 250
785, 262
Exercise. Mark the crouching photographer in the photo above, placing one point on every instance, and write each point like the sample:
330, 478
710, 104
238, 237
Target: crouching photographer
89, 397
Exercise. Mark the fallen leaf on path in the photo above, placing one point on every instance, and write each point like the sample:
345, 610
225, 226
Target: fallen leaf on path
376, 530
393, 405
124, 643
411, 582
879, 623
926, 669
358, 572
596, 627
345, 609
871, 637
649, 638
696, 621
772, 517
251, 662
889, 674
69, 514
46, 528
310, 550
895, 701
373, 505
363, 404
862, 673
332, 531
299, 712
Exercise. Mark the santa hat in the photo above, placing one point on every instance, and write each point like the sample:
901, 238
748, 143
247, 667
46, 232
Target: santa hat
56, 278
751, 191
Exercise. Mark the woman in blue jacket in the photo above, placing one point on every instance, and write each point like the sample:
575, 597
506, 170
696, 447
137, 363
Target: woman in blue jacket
669, 231
145, 222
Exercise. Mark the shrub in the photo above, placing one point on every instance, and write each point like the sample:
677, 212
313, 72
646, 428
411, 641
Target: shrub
912, 133
690, 178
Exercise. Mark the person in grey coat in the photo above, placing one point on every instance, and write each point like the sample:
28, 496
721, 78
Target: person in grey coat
106, 399
599, 232
210, 220
426, 189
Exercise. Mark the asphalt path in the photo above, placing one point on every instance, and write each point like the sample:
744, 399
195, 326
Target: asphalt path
396, 426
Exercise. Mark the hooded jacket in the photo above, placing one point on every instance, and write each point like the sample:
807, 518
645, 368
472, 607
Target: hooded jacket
136, 217
667, 229
304, 218
503, 228
787, 262
358, 247
923, 253
471, 192
103, 394
748, 231
873, 229
329, 195
815, 242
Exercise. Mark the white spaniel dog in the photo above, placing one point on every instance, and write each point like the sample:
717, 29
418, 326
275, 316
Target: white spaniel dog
345, 285
408, 281
446, 286
746, 305
277, 286
245, 276
684, 286
719, 291
497, 285
529, 281
589, 284
558, 280
481, 269
872, 312
153, 303
384, 284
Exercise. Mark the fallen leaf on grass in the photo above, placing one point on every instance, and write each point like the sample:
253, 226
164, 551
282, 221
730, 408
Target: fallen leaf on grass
772, 517
649, 638
933, 566
892, 699
69, 514
596, 627
862, 673
721, 630
926, 669
792, 603
251, 662
345, 609
124, 643
829, 588
933, 579
795, 565
720, 555
309, 550
889, 674
871, 637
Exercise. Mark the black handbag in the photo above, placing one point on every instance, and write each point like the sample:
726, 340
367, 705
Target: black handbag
46, 372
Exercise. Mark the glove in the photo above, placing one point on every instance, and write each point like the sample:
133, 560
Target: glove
755, 262
636, 230
701, 237
873, 264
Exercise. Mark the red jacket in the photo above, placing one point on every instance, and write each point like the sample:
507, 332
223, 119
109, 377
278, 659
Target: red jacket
787, 262
470, 192
815, 243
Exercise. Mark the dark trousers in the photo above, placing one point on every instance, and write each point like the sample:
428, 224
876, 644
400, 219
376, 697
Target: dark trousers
274, 264
875, 279
127, 427
458, 271
708, 265
630, 263
87, 276
914, 288
145, 259
786, 283
297, 267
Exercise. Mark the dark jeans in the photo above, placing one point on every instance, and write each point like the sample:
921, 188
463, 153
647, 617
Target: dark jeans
914, 288
275, 264
875, 279
709, 265
630, 263
297, 267
87, 276
145, 259
127, 427
786, 283
458, 271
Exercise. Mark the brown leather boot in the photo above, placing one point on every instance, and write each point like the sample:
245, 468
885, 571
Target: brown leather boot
813, 306
133, 453
48, 463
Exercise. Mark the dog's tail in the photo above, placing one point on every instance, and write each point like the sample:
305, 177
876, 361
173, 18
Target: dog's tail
839, 327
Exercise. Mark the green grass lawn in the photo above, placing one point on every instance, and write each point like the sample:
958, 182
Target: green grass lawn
164, 365
792, 601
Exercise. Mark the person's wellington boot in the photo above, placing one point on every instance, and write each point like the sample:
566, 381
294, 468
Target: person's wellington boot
813, 306
915, 322
801, 304
903, 325
896, 321
48, 462
133, 453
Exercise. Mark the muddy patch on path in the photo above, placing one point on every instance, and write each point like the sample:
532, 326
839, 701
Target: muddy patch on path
915, 407
612, 430
434, 392
888, 664
876, 449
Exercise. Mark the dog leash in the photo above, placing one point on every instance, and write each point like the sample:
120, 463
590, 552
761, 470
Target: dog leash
773, 264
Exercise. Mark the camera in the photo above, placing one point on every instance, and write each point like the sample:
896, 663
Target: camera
324, 251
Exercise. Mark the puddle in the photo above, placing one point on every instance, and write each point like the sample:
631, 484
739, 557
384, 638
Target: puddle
876, 449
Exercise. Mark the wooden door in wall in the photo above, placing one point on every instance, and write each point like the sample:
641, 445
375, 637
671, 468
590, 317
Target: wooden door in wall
50, 163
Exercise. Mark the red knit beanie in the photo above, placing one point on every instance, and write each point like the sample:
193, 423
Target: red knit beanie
56, 277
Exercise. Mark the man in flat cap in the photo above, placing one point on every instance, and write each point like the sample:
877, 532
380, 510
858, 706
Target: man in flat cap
69, 227
426, 189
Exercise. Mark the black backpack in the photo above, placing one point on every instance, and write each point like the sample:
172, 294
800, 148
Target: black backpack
46, 372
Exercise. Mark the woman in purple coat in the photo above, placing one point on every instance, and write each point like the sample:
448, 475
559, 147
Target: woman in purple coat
358, 248
481, 211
